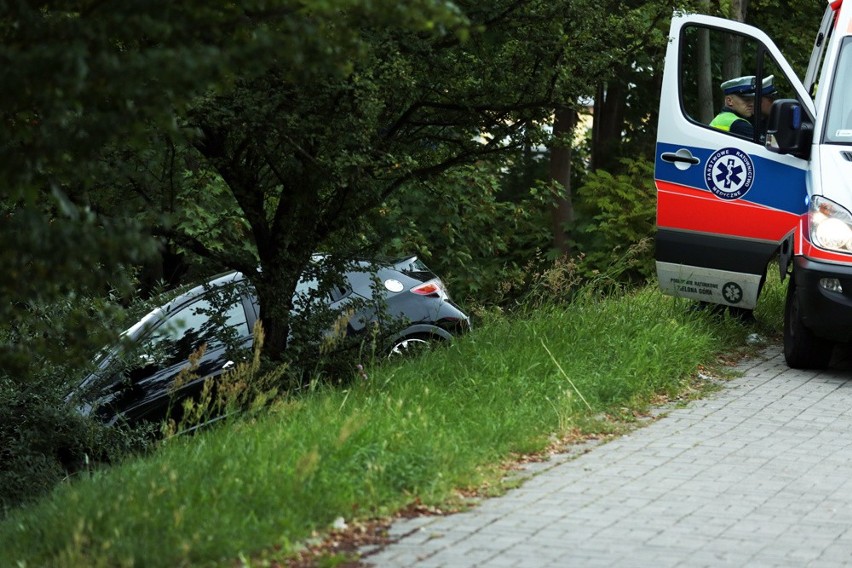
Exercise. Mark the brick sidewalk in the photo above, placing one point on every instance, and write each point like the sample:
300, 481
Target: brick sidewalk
759, 474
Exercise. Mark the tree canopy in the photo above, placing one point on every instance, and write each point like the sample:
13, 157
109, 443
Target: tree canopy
289, 121
252, 134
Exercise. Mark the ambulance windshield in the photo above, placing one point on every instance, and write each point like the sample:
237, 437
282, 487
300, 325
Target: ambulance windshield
838, 122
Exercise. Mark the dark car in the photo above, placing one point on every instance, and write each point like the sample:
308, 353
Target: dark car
144, 377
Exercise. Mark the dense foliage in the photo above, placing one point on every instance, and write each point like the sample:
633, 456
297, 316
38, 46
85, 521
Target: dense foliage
148, 144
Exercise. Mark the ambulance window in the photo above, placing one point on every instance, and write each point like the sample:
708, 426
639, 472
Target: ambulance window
718, 73
817, 60
838, 122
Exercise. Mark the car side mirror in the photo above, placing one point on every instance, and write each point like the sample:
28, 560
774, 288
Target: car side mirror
788, 129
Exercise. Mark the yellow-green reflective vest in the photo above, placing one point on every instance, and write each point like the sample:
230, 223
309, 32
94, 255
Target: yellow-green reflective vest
724, 120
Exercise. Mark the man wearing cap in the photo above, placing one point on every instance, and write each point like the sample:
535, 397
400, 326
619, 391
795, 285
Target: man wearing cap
768, 94
739, 107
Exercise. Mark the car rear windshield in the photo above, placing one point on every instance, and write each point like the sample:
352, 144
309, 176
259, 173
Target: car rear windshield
414, 268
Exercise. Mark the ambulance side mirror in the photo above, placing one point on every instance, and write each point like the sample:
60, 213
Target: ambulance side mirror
789, 130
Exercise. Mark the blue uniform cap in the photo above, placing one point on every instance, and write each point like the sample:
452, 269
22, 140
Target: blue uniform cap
742, 86
768, 87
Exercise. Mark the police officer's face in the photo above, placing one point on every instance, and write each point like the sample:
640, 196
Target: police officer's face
743, 106
766, 105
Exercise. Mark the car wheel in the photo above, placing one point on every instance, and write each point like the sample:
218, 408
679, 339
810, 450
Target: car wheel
802, 349
409, 347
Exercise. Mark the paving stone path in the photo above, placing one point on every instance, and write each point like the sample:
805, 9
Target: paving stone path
757, 475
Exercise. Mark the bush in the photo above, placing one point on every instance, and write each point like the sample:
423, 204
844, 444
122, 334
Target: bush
43, 439
617, 221
481, 246
489, 248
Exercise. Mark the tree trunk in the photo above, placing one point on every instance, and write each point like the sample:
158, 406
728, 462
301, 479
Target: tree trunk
732, 66
276, 286
560, 172
608, 123
293, 240
284, 245
739, 8
706, 107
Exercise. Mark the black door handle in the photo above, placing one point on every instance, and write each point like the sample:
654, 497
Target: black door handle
682, 156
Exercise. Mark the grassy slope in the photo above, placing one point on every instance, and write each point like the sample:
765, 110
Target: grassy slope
419, 430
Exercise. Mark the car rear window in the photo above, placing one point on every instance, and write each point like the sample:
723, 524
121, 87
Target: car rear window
414, 268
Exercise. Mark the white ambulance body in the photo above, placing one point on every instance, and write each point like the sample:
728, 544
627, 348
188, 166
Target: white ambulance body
727, 205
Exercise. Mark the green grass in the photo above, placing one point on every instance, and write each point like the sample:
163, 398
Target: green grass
419, 430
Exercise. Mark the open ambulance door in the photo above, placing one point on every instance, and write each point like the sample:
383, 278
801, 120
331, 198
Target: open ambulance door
726, 205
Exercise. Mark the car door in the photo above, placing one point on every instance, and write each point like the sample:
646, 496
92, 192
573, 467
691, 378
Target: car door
207, 330
726, 204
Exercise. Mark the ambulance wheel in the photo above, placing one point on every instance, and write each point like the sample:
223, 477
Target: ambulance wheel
802, 349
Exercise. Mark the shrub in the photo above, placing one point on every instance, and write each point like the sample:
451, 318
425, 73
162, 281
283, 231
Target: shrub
616, 222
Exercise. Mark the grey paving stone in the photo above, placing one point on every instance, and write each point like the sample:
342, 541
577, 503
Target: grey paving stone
758, 475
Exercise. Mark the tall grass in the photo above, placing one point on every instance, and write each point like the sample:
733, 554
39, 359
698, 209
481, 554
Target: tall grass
418, 430
770, 306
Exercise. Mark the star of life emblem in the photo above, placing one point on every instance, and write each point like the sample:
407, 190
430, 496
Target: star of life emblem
732, 292
729, 173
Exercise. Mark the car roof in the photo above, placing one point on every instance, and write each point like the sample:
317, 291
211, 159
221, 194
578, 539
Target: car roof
404, 264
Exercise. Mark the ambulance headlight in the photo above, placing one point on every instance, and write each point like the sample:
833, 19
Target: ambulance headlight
831, 225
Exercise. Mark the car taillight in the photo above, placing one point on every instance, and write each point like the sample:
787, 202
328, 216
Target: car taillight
431, 288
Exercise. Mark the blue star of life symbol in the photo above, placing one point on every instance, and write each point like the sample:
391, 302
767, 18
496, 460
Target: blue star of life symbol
729, 173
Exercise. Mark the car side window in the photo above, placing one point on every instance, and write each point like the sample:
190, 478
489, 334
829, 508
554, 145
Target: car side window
719, 71
201, 322
307, 292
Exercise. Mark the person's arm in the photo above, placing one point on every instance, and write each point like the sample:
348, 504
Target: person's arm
742, 127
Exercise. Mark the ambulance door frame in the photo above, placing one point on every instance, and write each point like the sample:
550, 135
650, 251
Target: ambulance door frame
765, 47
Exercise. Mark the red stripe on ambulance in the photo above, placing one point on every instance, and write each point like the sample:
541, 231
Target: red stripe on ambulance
677, 206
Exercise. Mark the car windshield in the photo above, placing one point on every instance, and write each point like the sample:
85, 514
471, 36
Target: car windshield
838, 129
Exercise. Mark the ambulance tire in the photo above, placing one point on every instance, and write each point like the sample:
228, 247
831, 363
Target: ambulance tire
802, 349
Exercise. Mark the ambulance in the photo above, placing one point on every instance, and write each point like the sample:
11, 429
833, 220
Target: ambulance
729, 204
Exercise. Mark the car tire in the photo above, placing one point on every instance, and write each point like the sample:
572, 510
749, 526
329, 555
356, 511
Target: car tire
410, 346
802, 349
